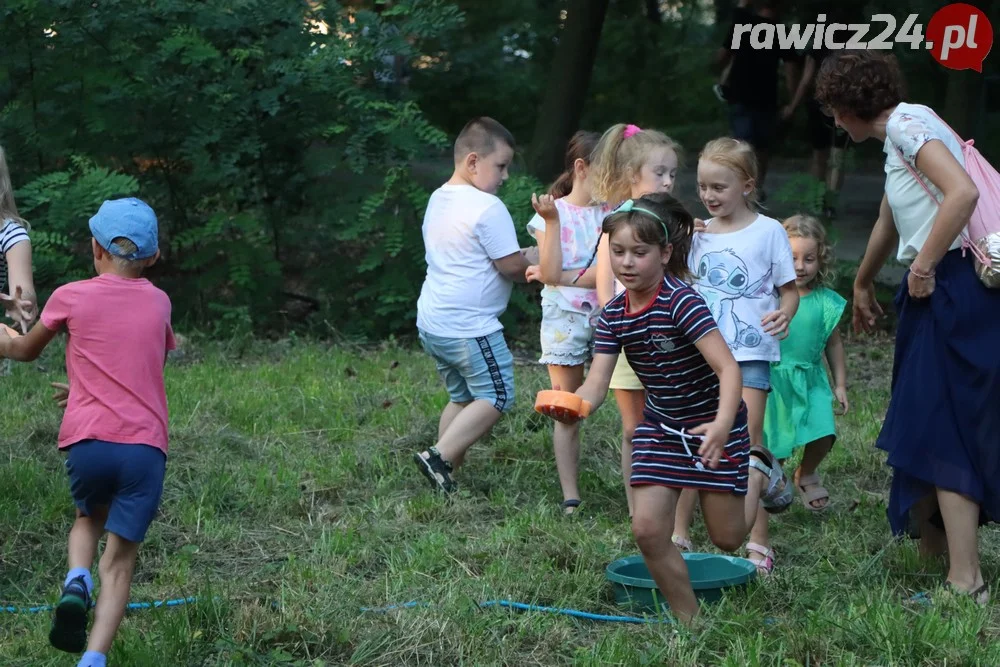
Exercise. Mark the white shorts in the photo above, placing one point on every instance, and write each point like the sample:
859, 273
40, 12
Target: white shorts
567, 337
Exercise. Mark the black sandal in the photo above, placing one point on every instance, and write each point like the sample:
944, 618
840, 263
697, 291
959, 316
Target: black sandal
569, 506
436, 470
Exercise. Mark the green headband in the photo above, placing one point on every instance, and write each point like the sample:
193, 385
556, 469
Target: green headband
628, 206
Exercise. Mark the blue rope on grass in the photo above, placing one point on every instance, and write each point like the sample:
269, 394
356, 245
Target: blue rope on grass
521, 606
132, 605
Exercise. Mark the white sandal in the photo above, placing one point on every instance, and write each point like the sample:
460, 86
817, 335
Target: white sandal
779, 495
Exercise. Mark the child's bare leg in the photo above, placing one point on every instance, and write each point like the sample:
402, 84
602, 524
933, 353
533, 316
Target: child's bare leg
566, 437
756, 400
685, 515
84, 536
473, 422
630, 405
728, 517
812, 456
116, 568
69, 624
652, 526
448, 416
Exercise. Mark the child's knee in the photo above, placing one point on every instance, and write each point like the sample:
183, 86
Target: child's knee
728, 541
650, 533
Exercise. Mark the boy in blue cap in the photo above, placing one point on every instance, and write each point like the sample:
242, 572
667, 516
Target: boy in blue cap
114, 429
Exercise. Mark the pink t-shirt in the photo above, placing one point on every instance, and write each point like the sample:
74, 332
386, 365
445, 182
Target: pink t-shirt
119, 335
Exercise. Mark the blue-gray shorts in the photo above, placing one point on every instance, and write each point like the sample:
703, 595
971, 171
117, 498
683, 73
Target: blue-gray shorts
474, 369
128, 479
756, 374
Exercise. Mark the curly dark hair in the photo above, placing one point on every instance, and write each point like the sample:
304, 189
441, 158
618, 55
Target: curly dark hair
862, 83
674, 221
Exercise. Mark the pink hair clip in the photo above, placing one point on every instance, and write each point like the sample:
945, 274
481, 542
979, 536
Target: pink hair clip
630, 130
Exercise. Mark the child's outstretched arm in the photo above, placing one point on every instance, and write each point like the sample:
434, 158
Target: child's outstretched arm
837, 358
776, 322
27, 347
24, 305
595, 387
716, 352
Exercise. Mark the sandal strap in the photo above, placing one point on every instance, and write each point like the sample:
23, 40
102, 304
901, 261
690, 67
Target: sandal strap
572, 502
809, 480
760, 549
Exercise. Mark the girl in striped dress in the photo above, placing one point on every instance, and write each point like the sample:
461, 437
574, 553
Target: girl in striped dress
694, 429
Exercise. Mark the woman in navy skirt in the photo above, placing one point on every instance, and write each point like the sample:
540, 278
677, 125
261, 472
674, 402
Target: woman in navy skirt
942, 428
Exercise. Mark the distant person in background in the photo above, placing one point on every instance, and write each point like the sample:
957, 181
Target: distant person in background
827, 140
751, 82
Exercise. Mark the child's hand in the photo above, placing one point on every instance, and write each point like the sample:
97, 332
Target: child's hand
20, 310
533, 273
699, 225
545, 206
776, 323
61, 397
841, 394
713, 444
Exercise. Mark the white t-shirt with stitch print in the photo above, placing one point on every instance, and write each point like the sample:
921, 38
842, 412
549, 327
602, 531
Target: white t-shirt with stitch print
738, 274
464, 293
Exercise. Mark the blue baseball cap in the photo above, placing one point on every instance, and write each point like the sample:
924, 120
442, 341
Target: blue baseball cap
130, 218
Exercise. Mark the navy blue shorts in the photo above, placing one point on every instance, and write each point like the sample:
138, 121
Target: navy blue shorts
755, 126
128, 479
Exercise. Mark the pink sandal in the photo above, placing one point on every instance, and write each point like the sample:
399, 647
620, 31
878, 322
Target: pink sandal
766, 566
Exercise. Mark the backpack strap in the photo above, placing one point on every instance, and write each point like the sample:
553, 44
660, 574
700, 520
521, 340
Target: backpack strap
966, 242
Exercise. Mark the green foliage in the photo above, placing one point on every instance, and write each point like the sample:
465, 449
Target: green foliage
59, 204
276, 156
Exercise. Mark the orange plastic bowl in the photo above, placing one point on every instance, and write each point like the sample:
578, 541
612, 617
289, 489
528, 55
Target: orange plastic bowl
561, 404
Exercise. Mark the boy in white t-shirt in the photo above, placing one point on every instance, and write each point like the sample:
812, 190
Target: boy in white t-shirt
473, 257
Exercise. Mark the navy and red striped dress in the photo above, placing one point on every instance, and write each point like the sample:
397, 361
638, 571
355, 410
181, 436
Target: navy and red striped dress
682, 390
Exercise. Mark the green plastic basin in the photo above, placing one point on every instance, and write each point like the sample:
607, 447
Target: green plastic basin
711, 576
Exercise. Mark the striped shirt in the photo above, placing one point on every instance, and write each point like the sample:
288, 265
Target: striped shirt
681, 388
11, 234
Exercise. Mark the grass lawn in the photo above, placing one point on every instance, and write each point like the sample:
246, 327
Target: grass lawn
291, 503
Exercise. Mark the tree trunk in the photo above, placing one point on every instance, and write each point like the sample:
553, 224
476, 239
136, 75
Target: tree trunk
569, 78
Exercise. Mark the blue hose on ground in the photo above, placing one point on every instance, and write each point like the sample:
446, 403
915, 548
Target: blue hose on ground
521, 606
132, 605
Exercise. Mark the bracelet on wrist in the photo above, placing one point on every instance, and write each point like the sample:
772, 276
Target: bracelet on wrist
924, 276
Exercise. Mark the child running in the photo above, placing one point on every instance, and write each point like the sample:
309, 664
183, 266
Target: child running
800, 408
742, 263
473, 257
114, 430
629, 162
694, 429
567, 226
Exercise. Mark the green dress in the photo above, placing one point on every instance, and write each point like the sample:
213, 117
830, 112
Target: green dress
800, 405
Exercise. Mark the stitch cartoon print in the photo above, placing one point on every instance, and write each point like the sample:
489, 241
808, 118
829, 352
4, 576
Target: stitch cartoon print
723, 278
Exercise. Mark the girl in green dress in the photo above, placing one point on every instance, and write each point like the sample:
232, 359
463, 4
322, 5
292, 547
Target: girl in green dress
799, 410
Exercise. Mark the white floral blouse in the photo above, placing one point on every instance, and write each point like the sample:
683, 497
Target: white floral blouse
910, 127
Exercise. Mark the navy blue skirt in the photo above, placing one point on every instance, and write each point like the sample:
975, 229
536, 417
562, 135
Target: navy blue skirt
942, 428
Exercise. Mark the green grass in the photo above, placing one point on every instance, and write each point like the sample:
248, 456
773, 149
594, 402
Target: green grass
291, 502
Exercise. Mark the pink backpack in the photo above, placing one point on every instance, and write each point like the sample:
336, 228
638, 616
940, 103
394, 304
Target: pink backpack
982, 235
